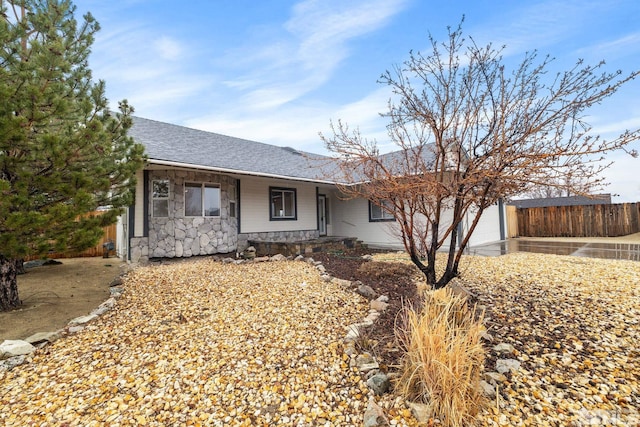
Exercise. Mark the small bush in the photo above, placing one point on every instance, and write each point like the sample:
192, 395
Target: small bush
444, 357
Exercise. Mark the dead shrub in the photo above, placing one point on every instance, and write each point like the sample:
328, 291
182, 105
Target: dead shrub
443, 357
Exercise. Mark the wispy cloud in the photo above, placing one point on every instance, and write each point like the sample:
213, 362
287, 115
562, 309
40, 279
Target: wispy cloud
168, 48
535, 25
628, 45
147, 67
300, 125
304, 57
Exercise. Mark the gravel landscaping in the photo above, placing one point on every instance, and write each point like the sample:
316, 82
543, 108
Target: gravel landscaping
202, 342
574, 325
567, 331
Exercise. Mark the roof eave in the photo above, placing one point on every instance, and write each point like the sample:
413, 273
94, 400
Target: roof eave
235, 171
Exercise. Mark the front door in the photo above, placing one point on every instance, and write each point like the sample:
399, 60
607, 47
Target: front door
322, 214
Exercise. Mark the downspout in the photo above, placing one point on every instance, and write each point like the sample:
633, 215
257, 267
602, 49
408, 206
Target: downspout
238, 210
130, 227
145, 208
503, 234
317, 209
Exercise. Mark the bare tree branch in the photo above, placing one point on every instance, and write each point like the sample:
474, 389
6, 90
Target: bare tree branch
470, 132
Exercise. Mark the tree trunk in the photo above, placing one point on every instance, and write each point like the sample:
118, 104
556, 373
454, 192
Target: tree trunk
9, 283
20, 266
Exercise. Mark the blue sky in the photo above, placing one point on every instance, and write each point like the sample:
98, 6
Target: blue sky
279, 71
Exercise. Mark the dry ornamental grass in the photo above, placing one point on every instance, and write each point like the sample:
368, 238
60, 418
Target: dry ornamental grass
206, 343
443, 357
201, 343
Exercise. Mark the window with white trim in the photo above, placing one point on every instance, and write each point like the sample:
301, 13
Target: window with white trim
160, 198
201, 199
381, 211
283, 204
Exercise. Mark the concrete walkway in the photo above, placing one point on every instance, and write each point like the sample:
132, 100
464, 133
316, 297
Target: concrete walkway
623, 249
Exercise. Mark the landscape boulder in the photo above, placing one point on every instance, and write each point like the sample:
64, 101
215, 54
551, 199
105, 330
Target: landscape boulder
12, 348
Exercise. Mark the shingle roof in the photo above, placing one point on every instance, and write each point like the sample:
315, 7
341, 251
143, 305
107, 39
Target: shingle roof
178, 144
596, 199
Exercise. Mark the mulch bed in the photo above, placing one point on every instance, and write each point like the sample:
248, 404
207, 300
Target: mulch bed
392, 279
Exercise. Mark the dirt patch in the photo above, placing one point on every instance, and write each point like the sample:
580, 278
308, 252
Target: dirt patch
392, 279
54, 294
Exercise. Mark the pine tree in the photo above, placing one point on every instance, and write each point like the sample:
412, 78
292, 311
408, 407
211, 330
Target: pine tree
63, 153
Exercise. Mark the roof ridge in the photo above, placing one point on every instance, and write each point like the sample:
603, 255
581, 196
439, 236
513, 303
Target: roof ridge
209, 132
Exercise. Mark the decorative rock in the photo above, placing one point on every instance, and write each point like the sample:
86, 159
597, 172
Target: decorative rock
350, 348
74, 329
353, 332
249, 253
100, 310
366, 291
494, 377
260, 259
506, 365
383, 298
341, 282
109, 303
378, 305
371, 317
487, 389
12, 362
40, 337
365, 362
420, 411
11, 348
379, 383
227, 260
367, 257
504, 348
374, 415
278, 257
82, 319
321, 268
487, 337
299, 258
116, 291
326, 278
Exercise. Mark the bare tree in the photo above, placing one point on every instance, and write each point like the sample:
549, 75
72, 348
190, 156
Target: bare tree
469, 133
565, 186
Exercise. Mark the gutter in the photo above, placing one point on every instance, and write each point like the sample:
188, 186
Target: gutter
234, 171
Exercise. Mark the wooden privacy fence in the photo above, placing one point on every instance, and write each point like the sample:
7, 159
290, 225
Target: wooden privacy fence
109, 234
512, 221
579, 221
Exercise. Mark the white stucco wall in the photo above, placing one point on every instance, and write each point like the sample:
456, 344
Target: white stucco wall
488, 229
255, 205
350, 218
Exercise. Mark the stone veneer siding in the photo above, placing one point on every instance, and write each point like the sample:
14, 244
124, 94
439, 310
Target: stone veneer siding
276, 236
179, 236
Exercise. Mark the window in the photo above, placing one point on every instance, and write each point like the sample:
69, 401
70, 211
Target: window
201, 200
232, 201
378, 213
160, 198
283, 203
